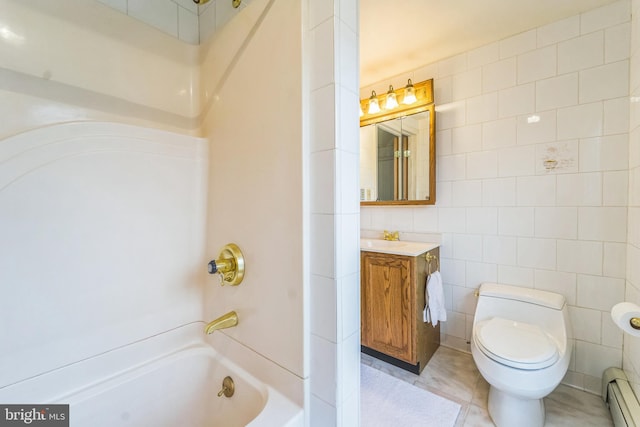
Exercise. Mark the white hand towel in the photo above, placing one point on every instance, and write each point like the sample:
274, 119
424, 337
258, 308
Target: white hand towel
434, 311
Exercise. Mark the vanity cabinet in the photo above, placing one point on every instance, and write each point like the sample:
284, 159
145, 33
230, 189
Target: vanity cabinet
392, 301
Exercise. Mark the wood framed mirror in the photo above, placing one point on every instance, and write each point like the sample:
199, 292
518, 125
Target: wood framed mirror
398, 148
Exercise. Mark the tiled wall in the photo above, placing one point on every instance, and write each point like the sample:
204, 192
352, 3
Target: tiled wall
183, 19
332, 72
631, 356
505, 217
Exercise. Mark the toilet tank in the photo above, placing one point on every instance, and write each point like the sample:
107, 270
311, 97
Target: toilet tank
547, 309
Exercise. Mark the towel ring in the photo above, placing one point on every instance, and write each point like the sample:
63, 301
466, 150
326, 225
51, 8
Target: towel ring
430, 257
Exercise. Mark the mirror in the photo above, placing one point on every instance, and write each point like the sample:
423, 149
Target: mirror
397, 150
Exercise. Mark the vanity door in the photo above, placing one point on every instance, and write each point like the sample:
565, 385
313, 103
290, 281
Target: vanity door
387, 305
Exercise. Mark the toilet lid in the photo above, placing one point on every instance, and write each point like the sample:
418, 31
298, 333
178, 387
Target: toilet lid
516, 344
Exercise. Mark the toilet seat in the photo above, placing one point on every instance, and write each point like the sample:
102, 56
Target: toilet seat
516, 344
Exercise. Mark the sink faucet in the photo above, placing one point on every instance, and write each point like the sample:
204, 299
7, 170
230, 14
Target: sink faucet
393, 235
225, 321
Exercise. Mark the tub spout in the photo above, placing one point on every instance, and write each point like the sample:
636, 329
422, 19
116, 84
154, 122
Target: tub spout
225, 321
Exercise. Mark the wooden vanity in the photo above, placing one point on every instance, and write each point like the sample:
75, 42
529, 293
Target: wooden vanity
392, 287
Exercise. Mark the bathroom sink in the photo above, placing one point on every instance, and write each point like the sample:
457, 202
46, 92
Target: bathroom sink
396, 247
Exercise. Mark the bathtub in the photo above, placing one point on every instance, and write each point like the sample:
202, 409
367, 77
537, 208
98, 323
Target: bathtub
134, 386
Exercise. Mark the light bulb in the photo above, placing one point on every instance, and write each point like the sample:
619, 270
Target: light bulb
390, 102
374, 107
409, 94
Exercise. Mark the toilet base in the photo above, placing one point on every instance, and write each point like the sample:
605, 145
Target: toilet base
507, 410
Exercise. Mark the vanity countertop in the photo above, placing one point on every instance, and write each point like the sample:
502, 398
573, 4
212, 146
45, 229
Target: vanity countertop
396, 247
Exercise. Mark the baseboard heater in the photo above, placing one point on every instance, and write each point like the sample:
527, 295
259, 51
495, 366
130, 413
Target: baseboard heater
623, 403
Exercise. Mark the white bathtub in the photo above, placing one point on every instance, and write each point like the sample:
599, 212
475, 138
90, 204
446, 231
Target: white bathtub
126, 387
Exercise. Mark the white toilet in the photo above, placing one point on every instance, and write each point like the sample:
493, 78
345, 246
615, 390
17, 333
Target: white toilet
521, 343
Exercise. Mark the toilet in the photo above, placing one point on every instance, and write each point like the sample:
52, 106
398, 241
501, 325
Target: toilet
521, 344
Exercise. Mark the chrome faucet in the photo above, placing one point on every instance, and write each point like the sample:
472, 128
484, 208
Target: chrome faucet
225, 321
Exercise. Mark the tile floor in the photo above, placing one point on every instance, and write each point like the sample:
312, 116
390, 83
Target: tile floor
452, 374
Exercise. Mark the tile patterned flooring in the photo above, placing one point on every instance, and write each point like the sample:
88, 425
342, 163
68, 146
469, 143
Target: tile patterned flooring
453, 375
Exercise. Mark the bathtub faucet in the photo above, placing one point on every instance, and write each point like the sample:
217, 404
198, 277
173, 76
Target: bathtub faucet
225, 321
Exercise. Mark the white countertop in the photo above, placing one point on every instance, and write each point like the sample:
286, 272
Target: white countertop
396, 247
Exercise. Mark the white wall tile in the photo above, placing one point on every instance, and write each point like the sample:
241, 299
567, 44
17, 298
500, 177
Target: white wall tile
605, 16
453, 271
537, 253
561, 91
482, 108
453, 65
516, 161
593, 359
323, 369
499, 133
466, 139
451, 168
499, 192
579, 189
322, 226
617, 43
323, 197
467, 247
586, 324
579, 257
557, 281
463, 300
559, 223
188, 5
536, 190
120, 5
518, 44
539, 128
320, 12
517, 276
450, 115
499, 250
442, 89
482, 220
603, 223
604, 82
616, 116
348, 75
580, 53
611, 333
615, 259
599, 293
558, 31
467, 84
581, 121
483, 55
499, 75
425, 220
161, 14
324, 312
563, 156
537, 64
452, 220
516, 221
516, 100
478, 272
467, 193
322, 70
608, 153
188, 27
444, 143
482, 164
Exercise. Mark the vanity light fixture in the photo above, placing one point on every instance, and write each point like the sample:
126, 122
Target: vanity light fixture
373, 103
409, 94
391, 101
361, 112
